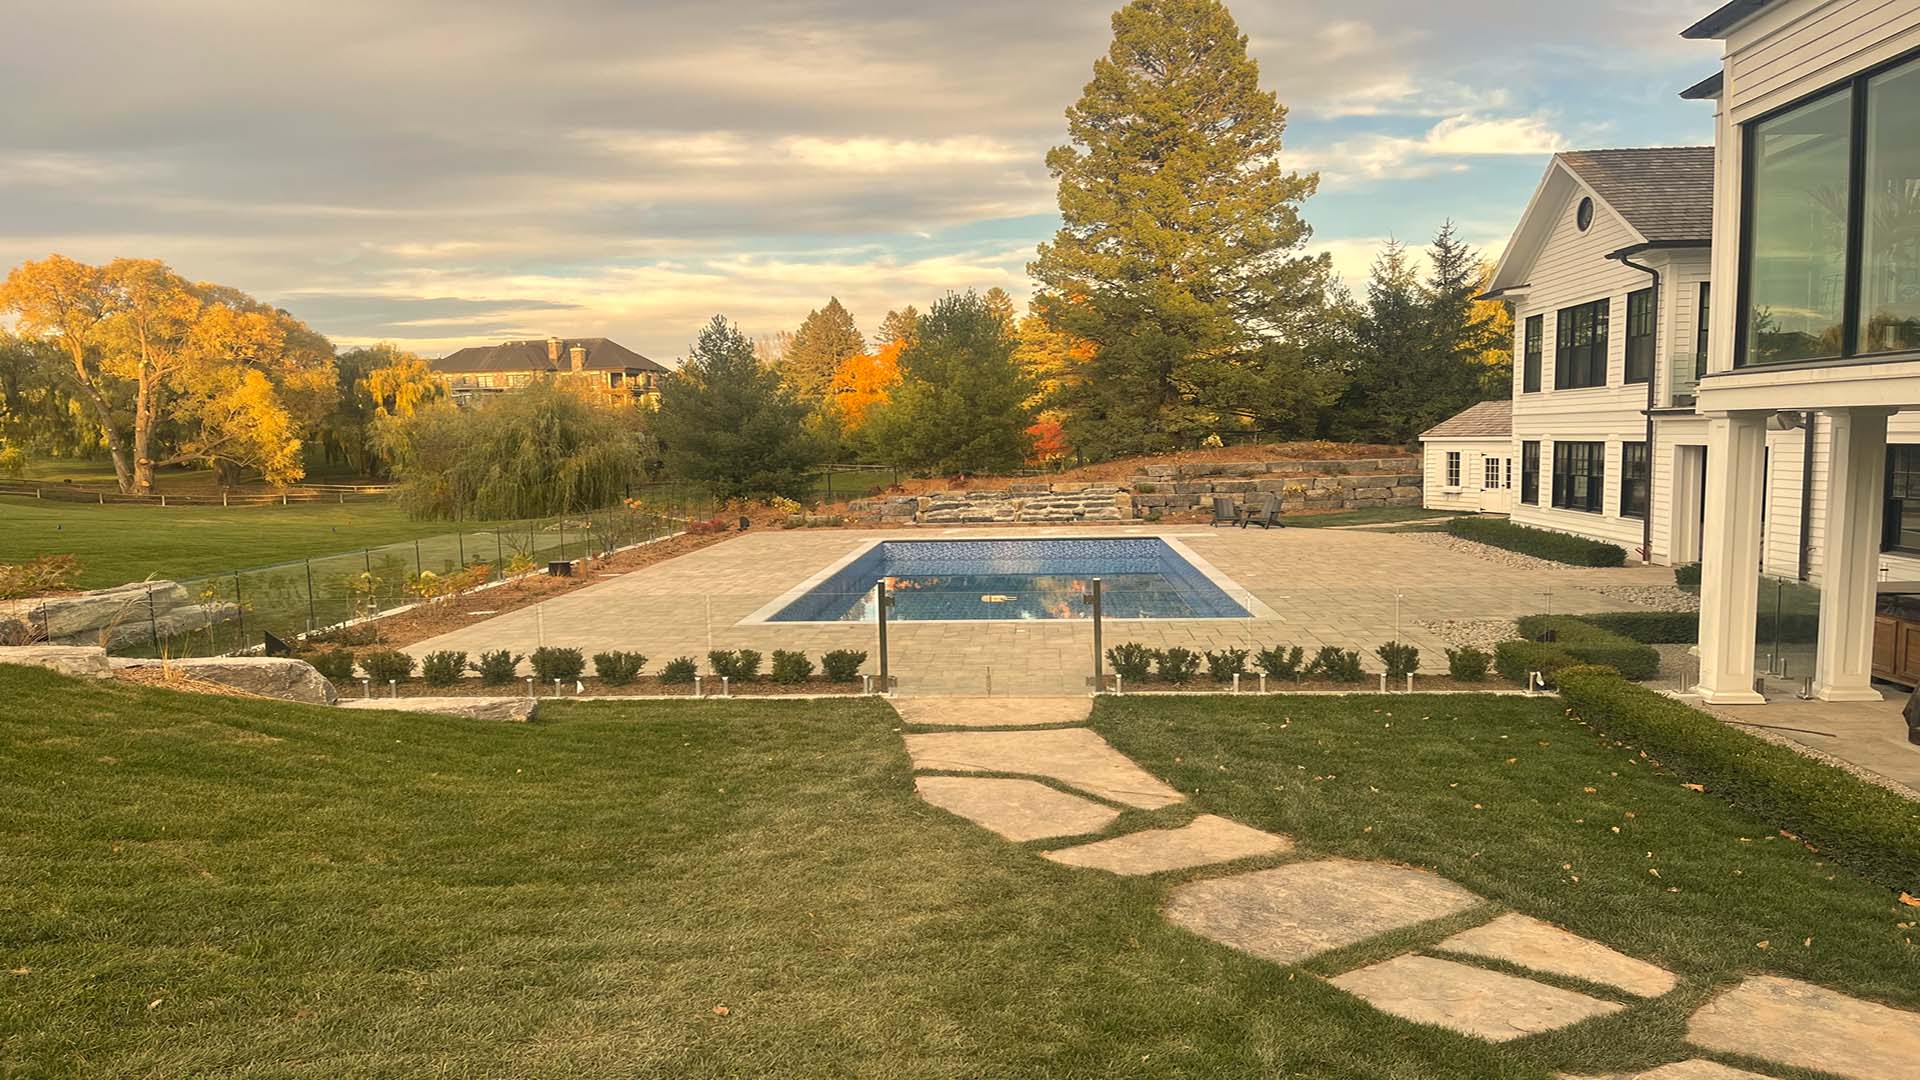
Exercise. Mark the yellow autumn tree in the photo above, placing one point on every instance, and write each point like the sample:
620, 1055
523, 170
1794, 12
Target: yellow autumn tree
1499, 317
863, 381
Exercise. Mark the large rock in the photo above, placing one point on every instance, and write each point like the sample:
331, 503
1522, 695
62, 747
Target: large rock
124, 615
79, 661
511, 710
268, 676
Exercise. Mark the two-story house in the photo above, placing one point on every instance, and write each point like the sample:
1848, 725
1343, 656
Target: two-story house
617, 372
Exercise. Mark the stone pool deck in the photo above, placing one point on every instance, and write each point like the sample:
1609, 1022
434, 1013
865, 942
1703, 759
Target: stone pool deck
1324, 586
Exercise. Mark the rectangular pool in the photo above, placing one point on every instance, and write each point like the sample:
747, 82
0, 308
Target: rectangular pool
966, 580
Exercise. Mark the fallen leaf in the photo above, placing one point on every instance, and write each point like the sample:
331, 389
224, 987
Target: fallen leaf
1694, 787
21, 971
1654, 870
1910, 900
1761, 944
155, 1003
721, 1010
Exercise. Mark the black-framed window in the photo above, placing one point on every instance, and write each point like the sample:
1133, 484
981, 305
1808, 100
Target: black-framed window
1530, 473
1579, 475
1453, 468
1580, 345
1640, 336
1830, 262
1535, 345
1700, 329
1900, 528
1634, 472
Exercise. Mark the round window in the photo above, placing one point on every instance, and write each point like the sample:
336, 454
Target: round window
1583, 216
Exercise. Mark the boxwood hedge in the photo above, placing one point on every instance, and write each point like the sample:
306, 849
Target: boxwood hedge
1513, 659
1590, 644
1867, 829
1540, 543
1650, 627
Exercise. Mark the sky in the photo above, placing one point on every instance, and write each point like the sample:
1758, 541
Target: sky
442, 174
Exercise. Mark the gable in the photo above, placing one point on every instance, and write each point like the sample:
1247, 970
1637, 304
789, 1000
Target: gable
1549, 222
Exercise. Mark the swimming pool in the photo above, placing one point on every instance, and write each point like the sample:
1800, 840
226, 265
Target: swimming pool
1014, 579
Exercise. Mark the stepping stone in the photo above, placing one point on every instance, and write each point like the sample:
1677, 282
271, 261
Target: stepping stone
1531, 943
1474, 1001
1693, 1069
1207, 839
1019, 810
993, 712
1800, 1024
1294, 912
1074, 756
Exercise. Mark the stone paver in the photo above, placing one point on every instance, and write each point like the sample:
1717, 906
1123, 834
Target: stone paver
1540, 946
1206, 839
1019, 810
1797, 1023
1294, 912
993, 712
1076, 757
1692, 1069
1486, 1004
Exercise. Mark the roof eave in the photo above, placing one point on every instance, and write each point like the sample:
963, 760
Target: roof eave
1659, 245
1723, 18
1706, 89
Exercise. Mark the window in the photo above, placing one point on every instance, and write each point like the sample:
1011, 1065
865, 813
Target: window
1509, 484
1700, 330
1535, 345
1453, 468
1830, 262
1530, 473
1633, 480
1583, 214
1640, 336
1901, 527
1579, 475
1490, 474
1580, 353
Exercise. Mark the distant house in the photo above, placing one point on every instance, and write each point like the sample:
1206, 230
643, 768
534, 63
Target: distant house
617, 371
1469, 459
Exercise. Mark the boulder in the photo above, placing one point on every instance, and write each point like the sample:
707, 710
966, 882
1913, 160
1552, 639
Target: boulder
269, 676
79, 661
509, 710
121, 616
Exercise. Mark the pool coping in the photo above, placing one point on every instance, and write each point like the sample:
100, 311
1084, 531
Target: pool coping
1256, 608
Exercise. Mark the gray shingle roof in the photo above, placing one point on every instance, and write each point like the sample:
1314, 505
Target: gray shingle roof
602, 355
1666, 192
1487, 420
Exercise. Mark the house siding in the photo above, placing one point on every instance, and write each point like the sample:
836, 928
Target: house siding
1435, 494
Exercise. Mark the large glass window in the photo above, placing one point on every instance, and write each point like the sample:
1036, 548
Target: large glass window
1890, 239
1580, 352
1640, 336
1530, 473
1700, 330
1797, 199
1535, 345
1579, 475
1902, 524
1633, 480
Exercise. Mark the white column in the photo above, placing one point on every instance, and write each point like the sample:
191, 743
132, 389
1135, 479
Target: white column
1730, 557
1850, 555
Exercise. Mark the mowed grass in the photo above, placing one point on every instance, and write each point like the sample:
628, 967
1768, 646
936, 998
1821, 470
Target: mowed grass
1372, 515
118, 544
204, 886
1537, 813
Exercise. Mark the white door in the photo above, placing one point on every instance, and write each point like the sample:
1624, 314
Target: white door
1495, 494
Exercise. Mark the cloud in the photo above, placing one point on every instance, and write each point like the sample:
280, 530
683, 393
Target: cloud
1444, 147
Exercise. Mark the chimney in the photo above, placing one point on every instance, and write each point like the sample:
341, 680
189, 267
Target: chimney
553, 351
577, 354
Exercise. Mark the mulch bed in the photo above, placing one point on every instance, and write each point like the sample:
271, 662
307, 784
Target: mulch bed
646, 686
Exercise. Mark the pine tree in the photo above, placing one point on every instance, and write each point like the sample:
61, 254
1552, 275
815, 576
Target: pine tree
898, 326
726, 420
1180, 254
823, 342
961, 403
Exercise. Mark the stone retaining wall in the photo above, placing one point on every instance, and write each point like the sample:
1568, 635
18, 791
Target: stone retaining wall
1016, 504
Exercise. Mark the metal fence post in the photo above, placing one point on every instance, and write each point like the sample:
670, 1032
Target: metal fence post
880, 604
418, 569
310, 616
499, 555
239, 612
153, 621
460, 543
563, 537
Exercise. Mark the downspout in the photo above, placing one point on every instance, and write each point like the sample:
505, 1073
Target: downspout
1653, 380
1806, 496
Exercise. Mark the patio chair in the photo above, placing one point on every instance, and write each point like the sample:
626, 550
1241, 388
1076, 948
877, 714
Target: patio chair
1267, 516
1224, 512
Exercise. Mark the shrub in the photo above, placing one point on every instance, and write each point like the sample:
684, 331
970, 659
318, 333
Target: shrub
1687, 577
843, 665
1336, 665
443, 668
1589, 644
335, 664
1867, 829
387, 665
1401, 660
734, 664
13, 462
790, 667
1650, 627
1281, 662
551, 662
498, 667
680, 669
45, 574
1540, 543
618, 668
1468, 664
1513, 659
1178, 665
365, 633
1222, 666
1133, 662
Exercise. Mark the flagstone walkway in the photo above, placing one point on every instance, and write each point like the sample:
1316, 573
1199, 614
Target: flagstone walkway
1050, 782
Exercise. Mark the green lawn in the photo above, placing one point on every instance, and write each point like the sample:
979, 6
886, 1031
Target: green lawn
213, 886
1376, 515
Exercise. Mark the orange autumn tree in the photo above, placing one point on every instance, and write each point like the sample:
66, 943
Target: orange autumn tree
863, 381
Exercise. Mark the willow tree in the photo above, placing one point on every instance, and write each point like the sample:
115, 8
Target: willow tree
1180, 257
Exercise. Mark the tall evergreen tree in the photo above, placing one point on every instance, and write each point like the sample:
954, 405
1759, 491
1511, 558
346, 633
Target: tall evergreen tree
1180, 256
961, 403
822, 344
898, 327
727, 420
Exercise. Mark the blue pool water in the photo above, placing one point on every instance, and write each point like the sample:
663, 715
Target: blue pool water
948, 580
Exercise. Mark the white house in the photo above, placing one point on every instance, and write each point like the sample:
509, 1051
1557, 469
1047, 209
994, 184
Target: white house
1817, 188
1469, 460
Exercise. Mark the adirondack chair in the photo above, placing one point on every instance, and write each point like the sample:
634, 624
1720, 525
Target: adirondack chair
1224, 512
1266, 517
